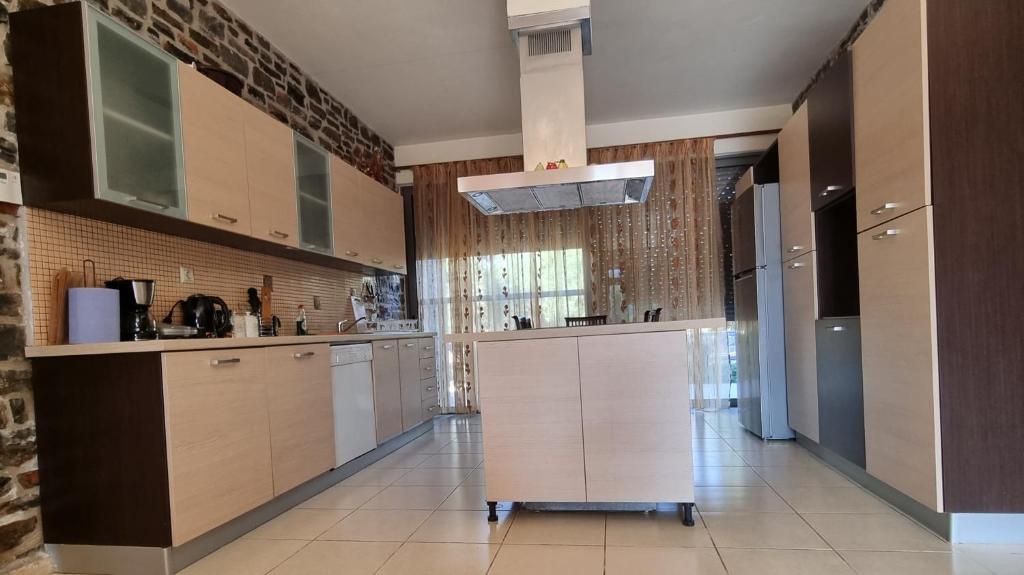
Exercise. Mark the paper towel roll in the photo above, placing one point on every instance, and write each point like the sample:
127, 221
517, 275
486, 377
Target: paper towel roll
94, 315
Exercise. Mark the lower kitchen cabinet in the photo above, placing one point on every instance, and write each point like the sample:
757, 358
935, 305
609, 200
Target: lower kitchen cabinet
387, 389
301, 413
840, 388
800, 304
409, 373
218, 437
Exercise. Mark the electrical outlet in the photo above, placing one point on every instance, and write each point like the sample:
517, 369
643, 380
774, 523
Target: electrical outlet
316, 302
10, 187
185, 275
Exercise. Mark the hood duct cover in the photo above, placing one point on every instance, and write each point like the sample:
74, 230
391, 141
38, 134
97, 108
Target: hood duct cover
551, 46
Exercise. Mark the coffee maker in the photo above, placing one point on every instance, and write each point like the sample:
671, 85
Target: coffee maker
136, 296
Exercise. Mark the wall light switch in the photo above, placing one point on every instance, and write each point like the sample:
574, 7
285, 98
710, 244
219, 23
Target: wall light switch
10, 187
186, 275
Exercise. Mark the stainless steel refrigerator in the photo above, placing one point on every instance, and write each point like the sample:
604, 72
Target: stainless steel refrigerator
760, 327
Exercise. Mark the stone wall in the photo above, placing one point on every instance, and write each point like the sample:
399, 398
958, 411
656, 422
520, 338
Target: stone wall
190, 29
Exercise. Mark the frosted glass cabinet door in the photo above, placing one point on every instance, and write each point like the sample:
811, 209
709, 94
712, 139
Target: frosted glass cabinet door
135, 115
313, 185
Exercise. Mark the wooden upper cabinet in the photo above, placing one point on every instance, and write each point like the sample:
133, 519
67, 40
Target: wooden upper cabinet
830, 133
899, 356
270, 164
354, 226
795, 187
392, 233
213, 139
891, 125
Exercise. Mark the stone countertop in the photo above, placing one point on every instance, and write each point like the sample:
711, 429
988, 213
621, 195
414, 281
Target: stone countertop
610, 329
161, 345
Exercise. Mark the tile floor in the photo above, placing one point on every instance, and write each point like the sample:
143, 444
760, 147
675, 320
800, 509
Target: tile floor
763, 509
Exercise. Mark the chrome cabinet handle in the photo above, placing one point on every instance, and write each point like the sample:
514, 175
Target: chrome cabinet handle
432, 408
228, 361
410, 345
387, 346
156, 205
430, 388
794, 249
837, 328
399, 267
223, 218
885, 235
428, 348
304, 354
278, 234
351, 253
428, 367
796, 265
377, 261
884, 208
825, 193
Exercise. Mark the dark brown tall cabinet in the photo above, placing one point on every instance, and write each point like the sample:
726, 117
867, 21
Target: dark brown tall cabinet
830, 131
939, 132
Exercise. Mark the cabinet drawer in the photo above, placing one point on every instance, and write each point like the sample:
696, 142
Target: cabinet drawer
899, 356
427, 369
795, 187
890, 99
301, 413
426, 348
218, 437
430, 408
429, 391
800, 305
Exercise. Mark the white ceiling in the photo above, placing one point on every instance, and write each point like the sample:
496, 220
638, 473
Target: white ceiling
429, 70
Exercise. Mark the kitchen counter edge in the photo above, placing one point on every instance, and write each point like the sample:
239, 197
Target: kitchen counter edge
585, 331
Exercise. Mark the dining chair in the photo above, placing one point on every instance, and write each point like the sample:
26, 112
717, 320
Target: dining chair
586, 321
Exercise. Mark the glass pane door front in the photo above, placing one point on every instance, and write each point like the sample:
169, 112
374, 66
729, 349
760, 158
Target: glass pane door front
313, 186
135, 112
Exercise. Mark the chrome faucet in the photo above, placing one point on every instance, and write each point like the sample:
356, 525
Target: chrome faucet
342, 328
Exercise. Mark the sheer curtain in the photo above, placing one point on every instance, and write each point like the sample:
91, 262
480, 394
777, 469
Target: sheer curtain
475, 272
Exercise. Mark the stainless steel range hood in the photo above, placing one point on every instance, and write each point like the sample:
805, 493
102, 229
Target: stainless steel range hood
552, 37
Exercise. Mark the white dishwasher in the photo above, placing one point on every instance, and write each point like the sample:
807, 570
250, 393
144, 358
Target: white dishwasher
355, 427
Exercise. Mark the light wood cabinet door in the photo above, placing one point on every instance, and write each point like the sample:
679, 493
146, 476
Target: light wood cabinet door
301, 413
636, 418
795, 187
533, 430
270, 165
891, 117
218, 437
801, 310
213, 139
392, 235
387, 389
409, 367
356, 227
898, 342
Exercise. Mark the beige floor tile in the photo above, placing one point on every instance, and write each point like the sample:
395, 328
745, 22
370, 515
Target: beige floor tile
466, 437
471, 498
467, 460
342, 497
245, 557
475, 478
780, 457
783, 562
717, 459
659, 529
381, 476
906, 563
439, 476
548, 560
744, 499
377, 525
662, 560
889, 532
751, 442
463, 448
440, 559
427, 497
710, 444
1000, 559
761, 531
832, 500
337, 558
802, 476
726, 476
402, 460
463, 527
557, 528
304, 524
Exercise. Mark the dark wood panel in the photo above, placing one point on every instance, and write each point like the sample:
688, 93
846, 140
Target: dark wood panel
744, 232
102, 450
841, 388
830, 133
977, 132
766, 169
51, 96
835, 235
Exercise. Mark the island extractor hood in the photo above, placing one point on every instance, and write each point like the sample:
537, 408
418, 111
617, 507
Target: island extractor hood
552, 37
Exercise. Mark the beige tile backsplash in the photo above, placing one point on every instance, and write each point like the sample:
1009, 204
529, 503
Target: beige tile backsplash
57, 240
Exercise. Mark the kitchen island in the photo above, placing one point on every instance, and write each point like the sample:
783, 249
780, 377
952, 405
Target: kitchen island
594, 415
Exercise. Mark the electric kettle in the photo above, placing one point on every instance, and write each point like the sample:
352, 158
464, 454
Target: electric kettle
208, 314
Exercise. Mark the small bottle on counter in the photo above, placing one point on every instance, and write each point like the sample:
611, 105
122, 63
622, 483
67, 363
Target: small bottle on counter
300, 321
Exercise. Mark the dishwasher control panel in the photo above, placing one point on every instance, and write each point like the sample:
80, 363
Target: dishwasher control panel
351, 353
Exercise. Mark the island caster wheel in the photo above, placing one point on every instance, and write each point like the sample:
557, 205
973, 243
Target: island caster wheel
492, 511
688, 514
